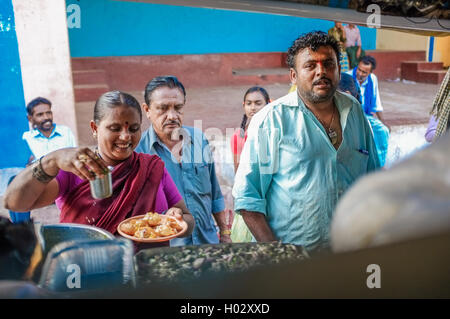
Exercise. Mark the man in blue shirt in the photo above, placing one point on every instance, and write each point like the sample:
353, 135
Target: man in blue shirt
46, 136
303, 151
187, 157
367, 83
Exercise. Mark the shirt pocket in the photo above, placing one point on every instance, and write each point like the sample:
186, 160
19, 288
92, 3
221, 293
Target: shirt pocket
200, 178
357, 162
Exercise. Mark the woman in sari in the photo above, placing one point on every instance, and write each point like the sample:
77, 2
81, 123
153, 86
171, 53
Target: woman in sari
141, 184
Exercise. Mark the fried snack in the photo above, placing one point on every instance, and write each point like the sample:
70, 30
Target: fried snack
129, 228
173, 224
153, 219
151, 226
165, 230
145, 232
138, 223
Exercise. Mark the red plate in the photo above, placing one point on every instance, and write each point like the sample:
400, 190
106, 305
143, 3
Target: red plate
182, 224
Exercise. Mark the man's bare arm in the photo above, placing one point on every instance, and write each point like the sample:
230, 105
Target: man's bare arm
221, 220
257, 224
381, 118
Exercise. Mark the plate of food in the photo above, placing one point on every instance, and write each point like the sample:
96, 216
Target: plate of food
152, 228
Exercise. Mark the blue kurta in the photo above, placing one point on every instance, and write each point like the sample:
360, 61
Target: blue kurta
290, 171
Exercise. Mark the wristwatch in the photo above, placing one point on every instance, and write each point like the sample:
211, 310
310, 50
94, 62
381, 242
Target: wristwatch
225, 232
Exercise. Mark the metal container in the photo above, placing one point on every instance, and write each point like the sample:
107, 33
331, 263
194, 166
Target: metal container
101, 186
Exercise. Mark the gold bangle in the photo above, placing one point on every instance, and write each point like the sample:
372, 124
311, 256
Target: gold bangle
225, 232
40, 174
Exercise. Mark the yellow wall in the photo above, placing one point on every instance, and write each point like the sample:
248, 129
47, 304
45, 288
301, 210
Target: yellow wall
400, 41
442, 50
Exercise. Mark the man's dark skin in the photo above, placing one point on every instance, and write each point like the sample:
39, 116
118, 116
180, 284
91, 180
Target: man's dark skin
42, 119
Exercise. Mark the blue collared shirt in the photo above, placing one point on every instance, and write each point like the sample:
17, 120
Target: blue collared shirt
195, 178
41, 145
290, 172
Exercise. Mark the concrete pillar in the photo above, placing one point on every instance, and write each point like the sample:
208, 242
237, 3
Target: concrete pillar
42, 35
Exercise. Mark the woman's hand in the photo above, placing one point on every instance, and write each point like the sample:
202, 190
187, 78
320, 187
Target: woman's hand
175, 212
80, 161
180, 212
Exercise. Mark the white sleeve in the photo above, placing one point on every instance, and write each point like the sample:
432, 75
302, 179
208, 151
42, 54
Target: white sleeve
71, 138
379, 106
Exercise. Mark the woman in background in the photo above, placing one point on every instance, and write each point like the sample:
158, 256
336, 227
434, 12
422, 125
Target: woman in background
254, 100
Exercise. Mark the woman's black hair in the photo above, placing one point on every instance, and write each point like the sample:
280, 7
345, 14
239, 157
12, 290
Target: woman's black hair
17, 244
347, 83
312, 40
251, 90
169, 81
35, 102
114, 99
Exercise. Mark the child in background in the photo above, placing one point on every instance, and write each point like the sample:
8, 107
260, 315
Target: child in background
254, 100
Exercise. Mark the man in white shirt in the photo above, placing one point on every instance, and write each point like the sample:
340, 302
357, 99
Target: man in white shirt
367, 83
43, 138
46, 136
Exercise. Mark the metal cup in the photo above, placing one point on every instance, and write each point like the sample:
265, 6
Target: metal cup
101, 186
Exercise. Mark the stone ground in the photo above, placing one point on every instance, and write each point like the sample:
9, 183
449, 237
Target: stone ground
407, 106
221, 107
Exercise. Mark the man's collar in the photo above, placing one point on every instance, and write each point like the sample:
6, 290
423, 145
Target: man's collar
365, 81
154, 138
56, 131
293, 99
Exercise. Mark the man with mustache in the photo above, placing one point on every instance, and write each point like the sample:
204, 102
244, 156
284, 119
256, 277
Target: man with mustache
45, 136
367, 84
187, 157
303, 151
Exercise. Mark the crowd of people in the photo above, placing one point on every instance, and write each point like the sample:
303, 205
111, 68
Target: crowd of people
294, 157
286, 158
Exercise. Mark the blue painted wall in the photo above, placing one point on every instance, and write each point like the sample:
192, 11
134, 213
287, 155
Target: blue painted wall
117, 28
13, 121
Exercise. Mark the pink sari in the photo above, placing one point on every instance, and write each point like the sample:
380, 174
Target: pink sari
135, 185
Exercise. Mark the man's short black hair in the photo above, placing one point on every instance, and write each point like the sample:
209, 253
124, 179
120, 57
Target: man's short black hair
169, 81
347, 83
35, 102
367, 59
312, 40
